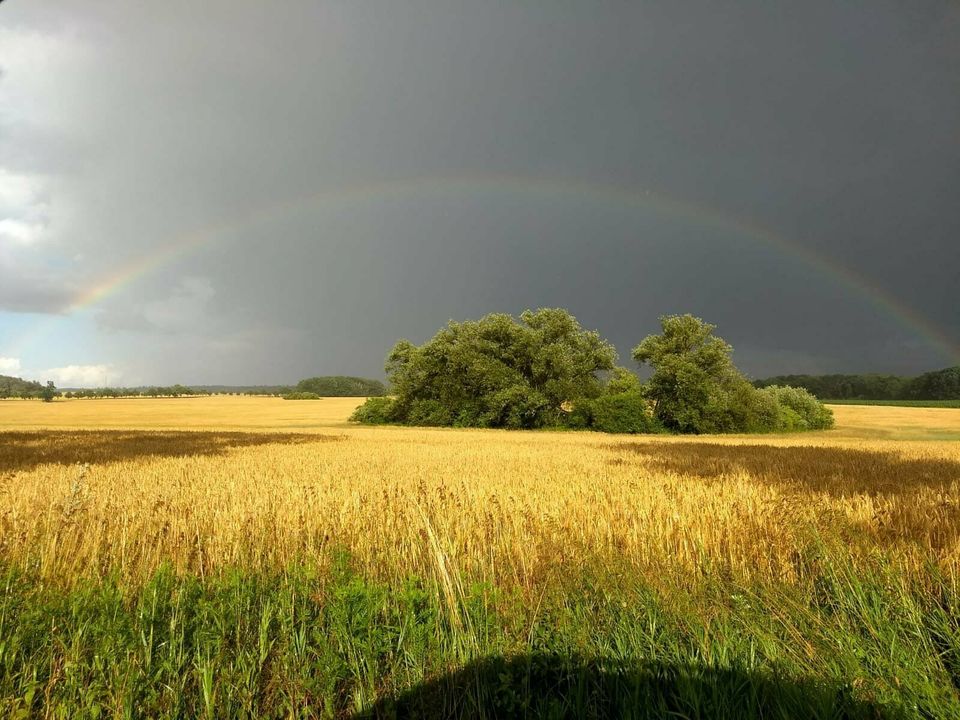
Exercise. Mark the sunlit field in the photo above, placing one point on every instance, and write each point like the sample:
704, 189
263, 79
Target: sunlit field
254, 556
218, 412
508, 507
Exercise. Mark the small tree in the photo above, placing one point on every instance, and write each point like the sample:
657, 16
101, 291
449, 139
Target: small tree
49, 392
693, 375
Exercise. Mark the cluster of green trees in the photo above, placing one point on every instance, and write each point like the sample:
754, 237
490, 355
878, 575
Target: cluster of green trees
937, 385
301, 396
341, 386
14, 387
545, 370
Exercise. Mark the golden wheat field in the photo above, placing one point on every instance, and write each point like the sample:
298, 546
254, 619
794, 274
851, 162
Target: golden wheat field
96, 486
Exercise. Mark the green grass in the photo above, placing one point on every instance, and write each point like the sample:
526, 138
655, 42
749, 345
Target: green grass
305, 644
899, 403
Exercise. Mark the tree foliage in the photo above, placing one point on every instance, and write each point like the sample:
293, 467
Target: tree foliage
938, 385
49, 392
694, 382
798, 409
622, 380
375, 411
497, 372
546, 371
619, 412
695, 387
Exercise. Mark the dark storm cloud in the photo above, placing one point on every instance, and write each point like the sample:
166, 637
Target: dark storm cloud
833, 126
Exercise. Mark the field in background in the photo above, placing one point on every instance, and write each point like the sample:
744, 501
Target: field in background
900, 403
220, 412
243, 555
230, 412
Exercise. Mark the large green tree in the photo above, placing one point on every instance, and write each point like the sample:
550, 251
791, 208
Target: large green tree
497, 371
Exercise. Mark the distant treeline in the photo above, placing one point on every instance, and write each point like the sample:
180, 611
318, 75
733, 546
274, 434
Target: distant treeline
937, 385
341, 386
320, 386
899, 403
243, 389
115, 392
325, 386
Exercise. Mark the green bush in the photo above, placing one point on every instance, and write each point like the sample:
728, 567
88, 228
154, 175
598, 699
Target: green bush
581, 416
626, 412
518, 406
429, 413
789, 420
375, 411
748, 410
301, 396
811, 414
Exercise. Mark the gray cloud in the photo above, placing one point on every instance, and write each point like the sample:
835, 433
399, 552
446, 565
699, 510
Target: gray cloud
28, 287
833, 126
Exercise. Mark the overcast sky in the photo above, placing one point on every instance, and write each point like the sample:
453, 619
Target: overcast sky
251, 192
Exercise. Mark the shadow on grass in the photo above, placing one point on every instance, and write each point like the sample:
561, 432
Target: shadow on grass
555, 686
27, 450
822, 469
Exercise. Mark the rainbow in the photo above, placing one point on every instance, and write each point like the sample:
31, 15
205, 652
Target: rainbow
203, 239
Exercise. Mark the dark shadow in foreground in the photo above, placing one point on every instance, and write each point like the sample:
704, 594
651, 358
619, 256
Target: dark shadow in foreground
27, 450
554, 686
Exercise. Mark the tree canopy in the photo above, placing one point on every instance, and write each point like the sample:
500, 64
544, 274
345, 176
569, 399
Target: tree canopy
695, 387
545, 370
498, 371
14, 387
693, 375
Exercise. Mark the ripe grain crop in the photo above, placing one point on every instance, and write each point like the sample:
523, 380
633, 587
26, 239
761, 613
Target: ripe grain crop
506, 507
250, 557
